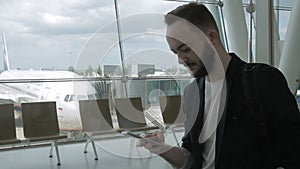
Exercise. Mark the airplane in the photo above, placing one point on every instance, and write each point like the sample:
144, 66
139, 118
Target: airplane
66, 93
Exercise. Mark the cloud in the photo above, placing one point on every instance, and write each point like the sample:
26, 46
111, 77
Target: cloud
44, 33
55, 16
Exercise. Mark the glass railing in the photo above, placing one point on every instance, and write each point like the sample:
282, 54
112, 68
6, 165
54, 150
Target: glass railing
67, 92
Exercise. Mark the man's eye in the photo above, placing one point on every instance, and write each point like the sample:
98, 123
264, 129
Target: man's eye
184, 49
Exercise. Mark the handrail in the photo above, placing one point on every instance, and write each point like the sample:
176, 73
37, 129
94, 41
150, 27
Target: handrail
92, 79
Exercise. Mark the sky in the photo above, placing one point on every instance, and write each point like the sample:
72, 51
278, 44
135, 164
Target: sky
56, 34
53, 33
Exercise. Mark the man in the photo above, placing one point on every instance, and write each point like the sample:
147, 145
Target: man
225, 136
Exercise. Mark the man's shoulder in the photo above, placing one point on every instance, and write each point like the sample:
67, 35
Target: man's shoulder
262, 71
265, 78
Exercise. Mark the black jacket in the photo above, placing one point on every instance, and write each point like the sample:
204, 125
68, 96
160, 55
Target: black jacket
237, 140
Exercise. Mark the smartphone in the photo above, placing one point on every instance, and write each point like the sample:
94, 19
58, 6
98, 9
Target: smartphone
133, 135
140, 137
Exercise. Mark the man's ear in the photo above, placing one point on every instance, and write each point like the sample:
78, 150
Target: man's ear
213, 36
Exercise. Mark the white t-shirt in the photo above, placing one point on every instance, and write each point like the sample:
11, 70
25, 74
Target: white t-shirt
209, 145
213, 110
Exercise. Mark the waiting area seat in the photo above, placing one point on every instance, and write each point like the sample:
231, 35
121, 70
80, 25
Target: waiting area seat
131, 118
171, 108
96, 121
7, 125
40, 123
130, 115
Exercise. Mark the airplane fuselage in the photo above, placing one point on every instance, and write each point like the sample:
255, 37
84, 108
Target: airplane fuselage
65, 93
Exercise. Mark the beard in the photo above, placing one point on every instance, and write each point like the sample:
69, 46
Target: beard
202, 72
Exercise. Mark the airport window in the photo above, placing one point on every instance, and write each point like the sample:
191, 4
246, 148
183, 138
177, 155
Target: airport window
282, 10
171, 87
93, 96
55, 51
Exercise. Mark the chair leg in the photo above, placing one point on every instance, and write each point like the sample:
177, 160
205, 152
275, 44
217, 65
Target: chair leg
131, 147
57, 152
86, 145
95, 151
174, 135
51, 150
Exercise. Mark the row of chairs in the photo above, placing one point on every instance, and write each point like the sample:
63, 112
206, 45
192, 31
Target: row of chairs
40, 121
40, 124
96, 117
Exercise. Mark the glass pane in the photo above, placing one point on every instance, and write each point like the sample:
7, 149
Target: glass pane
46, 41
283, 9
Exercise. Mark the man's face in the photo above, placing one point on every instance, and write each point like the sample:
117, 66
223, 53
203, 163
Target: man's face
182, 42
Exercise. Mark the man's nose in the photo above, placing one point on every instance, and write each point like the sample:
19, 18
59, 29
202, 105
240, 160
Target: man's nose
182, 59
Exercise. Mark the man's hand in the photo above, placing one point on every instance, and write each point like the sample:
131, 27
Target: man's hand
155, 143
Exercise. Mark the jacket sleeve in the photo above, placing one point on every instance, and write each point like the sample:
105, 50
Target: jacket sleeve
283, 117
190, 141
186, 142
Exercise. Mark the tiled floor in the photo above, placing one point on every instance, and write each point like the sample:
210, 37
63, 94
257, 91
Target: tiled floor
113, 154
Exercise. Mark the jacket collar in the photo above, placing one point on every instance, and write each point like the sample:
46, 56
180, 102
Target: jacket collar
231, 73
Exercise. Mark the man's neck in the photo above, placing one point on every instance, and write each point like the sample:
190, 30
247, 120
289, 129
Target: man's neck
220, 68
225, 59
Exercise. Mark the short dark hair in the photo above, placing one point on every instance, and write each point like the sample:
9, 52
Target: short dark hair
194, 13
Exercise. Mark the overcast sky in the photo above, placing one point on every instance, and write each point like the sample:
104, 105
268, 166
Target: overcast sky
52, 33
59, 33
